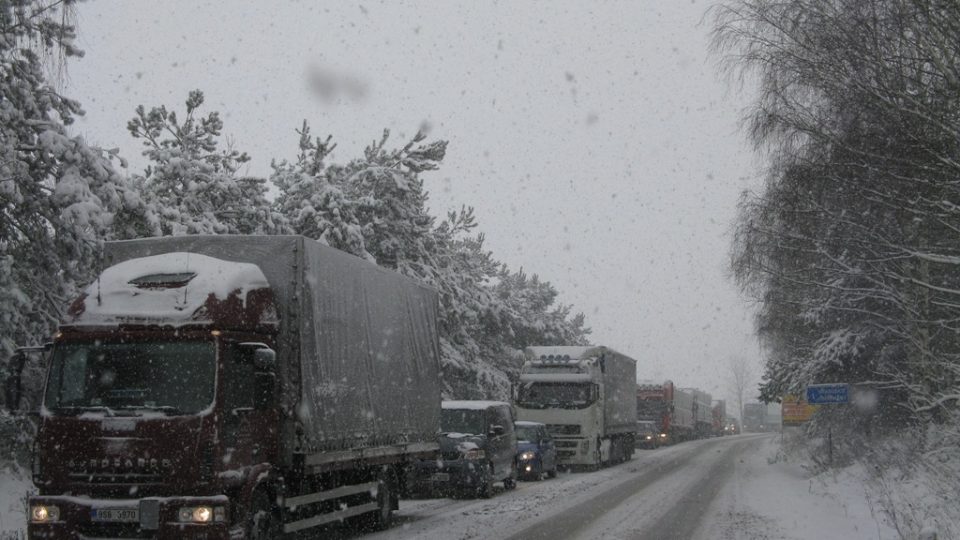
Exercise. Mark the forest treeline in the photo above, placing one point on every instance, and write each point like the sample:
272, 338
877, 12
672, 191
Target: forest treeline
61, 198
851, 248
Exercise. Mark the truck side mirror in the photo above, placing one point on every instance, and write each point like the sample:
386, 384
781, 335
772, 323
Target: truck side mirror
11, 393
13, 386
265, 360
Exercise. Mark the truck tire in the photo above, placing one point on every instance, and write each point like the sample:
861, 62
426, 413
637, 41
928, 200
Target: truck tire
552, 473
262, 521
383, 516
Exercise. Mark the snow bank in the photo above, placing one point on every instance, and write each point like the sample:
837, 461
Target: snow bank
14, 488
776, 495
171, 287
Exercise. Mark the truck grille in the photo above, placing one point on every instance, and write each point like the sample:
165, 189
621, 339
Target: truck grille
563, 429
566, 453
113, 479
566, 444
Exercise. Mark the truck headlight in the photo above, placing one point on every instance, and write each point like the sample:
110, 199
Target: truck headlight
42, 513
649, 437
527, 456
201, 514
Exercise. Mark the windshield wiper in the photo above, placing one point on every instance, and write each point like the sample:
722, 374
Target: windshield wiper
77, 409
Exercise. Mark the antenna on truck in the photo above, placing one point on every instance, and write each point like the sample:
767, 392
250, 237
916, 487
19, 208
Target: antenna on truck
99, 271
187, 284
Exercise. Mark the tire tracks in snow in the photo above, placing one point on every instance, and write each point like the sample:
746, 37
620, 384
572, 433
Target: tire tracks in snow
626, 509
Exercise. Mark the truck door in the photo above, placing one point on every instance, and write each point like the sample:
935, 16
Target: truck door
249, 428
503, 447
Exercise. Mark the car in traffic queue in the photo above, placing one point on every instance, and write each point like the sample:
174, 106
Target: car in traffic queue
478, 448
536, 451
648, 436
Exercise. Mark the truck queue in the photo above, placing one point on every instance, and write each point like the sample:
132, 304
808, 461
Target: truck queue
235, 386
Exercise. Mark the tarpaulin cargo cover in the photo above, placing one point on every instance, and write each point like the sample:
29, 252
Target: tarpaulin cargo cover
358, 355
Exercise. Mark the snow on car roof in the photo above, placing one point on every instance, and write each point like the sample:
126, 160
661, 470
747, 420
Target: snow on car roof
473, 405
527, 423
169, 287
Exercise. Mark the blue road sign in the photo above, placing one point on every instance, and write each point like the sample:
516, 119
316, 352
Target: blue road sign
828, 393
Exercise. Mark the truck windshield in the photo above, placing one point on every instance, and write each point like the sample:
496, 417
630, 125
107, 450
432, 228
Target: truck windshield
649, 409
172, 377
541, 395
469, 421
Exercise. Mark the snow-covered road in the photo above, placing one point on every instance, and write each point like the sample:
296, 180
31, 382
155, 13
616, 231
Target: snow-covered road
714, 488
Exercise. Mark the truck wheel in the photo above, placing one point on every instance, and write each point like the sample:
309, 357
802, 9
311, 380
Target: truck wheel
263, 523
552, 473
383, 516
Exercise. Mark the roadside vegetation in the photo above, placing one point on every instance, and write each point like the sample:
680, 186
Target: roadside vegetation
852, 246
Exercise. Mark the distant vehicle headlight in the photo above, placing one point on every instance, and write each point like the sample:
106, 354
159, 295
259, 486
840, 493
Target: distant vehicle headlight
649, 437
44, 514
663, 435
527, 456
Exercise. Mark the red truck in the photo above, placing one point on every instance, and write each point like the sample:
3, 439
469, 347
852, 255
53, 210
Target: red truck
233, 387
656, 402
680, 413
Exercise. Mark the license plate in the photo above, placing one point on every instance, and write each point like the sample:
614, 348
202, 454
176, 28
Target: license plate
123, 515
440, 477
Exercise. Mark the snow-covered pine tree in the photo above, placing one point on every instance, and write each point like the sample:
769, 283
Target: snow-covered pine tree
59, 197
312, 199
193, 185
376, 207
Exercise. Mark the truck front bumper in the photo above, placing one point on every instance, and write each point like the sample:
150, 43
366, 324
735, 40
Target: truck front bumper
575, 452
78, 518
444, 475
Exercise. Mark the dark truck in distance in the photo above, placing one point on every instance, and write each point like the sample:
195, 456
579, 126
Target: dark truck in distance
234, 387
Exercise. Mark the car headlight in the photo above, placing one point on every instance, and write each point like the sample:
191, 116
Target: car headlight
473, 453
201, 514
527, 456
42, 513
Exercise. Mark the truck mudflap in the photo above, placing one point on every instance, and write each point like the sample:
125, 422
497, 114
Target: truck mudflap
160, 518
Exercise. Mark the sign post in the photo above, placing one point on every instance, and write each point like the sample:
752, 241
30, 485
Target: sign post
828, 394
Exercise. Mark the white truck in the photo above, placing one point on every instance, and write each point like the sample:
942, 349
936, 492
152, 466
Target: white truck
587, 398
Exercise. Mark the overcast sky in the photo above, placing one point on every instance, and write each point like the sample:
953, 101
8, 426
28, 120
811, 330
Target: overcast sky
597, 142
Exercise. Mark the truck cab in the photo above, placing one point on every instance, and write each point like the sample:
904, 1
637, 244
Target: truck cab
158, 414
586, 398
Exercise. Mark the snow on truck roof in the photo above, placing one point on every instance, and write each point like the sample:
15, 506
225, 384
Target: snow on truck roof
471, 405
573, 352
570, 352
169, 287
